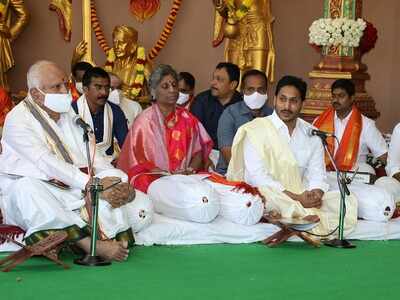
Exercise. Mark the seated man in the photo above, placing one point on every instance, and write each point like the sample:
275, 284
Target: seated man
277, 155
76, 86
106, 119
186, 84
392, 182
167, 140
208, 106
43, 173
357, 136
131, 108
254, 104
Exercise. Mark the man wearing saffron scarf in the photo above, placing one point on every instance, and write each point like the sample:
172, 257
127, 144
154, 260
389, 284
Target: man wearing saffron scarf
165, 145
357, 136
43, 171
278, 156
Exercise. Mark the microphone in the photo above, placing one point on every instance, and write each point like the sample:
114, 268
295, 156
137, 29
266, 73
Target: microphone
321, 134
78, 121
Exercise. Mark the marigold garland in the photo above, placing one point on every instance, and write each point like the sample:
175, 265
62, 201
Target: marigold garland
153, 53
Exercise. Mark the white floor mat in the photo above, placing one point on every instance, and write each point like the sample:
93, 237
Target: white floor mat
167, 231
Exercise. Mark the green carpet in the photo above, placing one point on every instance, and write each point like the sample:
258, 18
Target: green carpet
292, 271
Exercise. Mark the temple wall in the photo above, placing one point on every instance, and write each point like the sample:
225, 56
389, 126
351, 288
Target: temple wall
189, 47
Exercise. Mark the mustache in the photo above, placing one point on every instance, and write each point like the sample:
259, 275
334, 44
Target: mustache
287, 111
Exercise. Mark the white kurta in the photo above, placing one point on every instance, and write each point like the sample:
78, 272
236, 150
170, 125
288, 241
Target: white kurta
371, 141
33, 204
308, 152
131, 109
389, 183
393, 161
374, 202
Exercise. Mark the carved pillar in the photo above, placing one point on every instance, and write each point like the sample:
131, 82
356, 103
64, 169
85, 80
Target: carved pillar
338, 62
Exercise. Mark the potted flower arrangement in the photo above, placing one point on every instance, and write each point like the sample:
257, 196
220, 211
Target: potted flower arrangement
327, 32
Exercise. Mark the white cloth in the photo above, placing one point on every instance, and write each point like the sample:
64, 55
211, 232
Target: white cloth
34, 205
130, 108
393, 161
84, 113
374, 202
308, 152
196, 199
371, 139
390, 185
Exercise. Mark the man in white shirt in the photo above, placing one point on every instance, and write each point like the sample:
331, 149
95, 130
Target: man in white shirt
131, 108
392, 182
278, 155
357, 136
42, 172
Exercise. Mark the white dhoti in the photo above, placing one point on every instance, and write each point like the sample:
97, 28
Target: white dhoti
374, 202
38, 207
194, 198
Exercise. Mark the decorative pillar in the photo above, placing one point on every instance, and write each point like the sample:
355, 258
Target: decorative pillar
338, 62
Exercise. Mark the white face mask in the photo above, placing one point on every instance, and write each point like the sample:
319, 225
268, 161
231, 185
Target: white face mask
255, 100
114, 96
79, 87
59, 103
183, 98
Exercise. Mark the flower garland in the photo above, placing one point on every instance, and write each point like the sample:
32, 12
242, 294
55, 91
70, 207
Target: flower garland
337, 32
139, 68
153, 53
239, 13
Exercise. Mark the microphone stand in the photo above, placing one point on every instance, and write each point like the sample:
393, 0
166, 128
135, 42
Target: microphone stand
91, 259
344, 190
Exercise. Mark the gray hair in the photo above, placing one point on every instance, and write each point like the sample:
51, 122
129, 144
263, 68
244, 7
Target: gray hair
158, 74
34, 75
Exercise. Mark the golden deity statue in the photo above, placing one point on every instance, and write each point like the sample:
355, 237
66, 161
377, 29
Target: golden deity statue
247, 26
127, 60
9, 30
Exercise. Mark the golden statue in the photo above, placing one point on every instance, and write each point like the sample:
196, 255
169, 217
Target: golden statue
9, 32
247, 26
127, 60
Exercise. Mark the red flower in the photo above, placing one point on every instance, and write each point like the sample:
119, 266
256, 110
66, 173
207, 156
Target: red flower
368, 39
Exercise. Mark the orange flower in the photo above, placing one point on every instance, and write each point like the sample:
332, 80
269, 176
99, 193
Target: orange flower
144, 9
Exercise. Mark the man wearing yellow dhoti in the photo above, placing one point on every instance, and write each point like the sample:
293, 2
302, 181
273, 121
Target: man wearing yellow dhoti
279, 156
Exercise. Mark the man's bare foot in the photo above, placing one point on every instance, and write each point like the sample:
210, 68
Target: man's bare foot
311, 218
113, 250
110, 250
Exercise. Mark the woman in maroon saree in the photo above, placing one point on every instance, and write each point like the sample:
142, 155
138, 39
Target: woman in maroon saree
165, 138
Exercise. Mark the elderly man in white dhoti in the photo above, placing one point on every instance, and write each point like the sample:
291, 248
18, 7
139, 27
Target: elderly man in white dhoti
279, 156
42, 145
